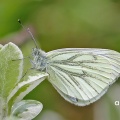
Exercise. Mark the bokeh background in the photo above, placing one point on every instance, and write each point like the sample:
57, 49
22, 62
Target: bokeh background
65, 24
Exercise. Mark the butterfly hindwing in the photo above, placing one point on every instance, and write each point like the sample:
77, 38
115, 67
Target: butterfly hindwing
82, 76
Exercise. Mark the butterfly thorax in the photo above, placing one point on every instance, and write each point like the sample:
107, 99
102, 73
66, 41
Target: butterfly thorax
39, 59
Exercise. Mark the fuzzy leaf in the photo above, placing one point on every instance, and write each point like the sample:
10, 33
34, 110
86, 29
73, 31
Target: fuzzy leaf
10, 71
23, 88
26, 110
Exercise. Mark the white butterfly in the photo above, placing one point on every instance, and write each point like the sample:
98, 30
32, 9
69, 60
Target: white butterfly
81, 76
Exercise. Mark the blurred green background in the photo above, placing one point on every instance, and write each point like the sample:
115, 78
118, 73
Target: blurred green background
61, 24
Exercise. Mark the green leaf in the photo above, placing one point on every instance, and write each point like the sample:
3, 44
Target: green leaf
10, 71
26, 110
30, 81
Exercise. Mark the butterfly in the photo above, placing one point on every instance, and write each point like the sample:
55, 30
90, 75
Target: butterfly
80, 75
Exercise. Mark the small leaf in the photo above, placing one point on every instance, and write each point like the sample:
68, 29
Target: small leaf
26, 109
23, 88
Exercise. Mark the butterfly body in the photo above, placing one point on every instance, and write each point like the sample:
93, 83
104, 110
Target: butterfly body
80, 75
39, 60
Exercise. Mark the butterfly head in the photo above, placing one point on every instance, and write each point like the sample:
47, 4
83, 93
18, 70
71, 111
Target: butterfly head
39, 59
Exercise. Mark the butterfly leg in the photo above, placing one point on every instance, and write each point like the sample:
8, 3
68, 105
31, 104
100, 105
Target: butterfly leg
26, 72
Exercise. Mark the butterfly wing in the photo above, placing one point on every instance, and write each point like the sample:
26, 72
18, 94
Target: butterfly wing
82, 76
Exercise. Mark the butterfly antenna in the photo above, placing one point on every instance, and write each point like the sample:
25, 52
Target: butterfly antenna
28, 30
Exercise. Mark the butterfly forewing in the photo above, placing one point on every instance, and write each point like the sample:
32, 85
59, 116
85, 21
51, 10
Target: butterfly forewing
82, 76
